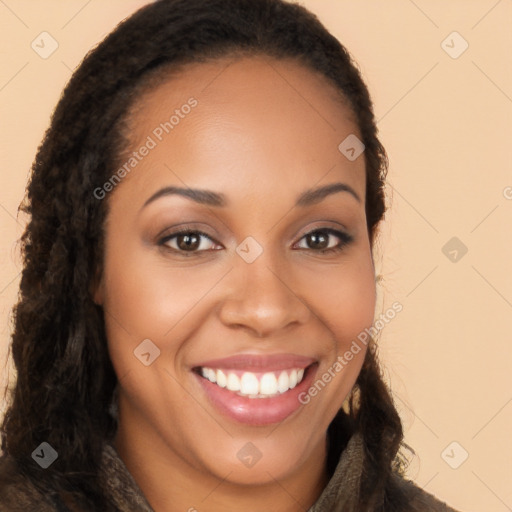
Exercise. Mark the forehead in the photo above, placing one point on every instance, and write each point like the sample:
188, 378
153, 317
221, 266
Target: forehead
270, 121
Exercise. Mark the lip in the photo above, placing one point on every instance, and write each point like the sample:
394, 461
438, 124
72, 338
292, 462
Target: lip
256, 411
259, 363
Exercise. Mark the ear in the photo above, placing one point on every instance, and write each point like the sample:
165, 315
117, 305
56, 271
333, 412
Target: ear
97, 289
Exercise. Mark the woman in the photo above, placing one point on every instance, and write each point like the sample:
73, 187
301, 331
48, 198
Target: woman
198, 283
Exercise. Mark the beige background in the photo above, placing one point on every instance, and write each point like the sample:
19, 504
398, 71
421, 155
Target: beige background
445, 123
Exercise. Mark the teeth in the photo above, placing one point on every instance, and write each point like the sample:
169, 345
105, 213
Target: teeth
255, 385
233, 382
212, 375
283, 382
249, 384
221, 379
268, 384
293, 379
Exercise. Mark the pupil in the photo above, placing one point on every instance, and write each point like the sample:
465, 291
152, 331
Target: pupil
188, 242
319, 240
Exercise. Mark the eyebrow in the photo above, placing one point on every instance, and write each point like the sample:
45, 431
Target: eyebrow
210, 198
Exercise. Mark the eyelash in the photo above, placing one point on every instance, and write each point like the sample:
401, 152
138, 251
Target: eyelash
345, 239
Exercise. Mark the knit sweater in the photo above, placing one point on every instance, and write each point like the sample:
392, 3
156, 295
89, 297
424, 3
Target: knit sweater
340, 494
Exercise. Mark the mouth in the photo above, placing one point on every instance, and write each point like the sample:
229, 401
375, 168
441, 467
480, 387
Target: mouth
256, 390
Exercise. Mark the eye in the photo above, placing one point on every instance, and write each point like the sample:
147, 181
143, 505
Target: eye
323, 240
187, 240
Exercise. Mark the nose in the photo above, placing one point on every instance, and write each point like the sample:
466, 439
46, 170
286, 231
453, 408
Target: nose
263, 298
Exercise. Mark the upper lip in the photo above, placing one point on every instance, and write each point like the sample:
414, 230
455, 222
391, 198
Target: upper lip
261, 362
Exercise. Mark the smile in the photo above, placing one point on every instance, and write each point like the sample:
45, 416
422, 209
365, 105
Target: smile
255, 389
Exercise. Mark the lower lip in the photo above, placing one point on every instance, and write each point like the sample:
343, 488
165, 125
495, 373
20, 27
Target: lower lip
257, 411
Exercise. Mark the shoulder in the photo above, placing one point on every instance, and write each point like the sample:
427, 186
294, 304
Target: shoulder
17, 493
418, 499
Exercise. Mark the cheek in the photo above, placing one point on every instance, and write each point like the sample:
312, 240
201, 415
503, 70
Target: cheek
148, 296
345, 298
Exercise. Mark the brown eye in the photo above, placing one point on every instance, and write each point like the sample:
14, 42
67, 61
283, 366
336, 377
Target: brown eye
188, 241
324, 240
318, 240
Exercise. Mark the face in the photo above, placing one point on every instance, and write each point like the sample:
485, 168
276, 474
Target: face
230, 288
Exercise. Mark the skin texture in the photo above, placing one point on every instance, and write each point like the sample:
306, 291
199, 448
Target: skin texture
263, 132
